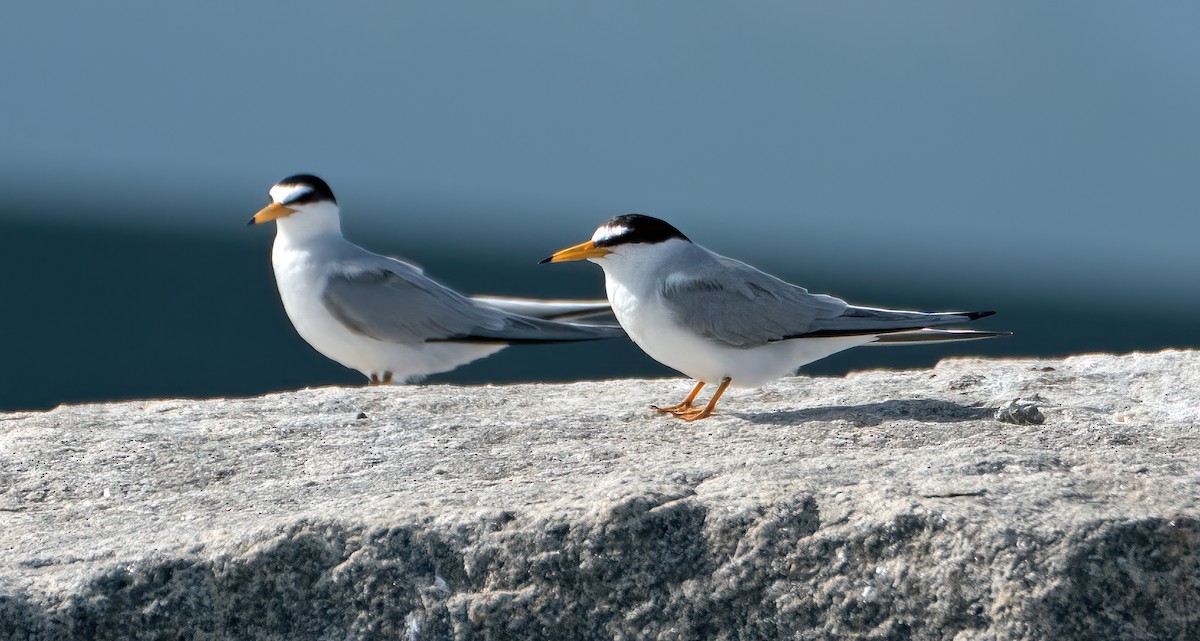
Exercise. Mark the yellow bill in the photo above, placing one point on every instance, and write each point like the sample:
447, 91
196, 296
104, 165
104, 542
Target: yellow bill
271, 212
582, 251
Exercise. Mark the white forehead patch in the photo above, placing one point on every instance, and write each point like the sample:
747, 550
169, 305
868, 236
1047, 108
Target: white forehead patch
608, 232
283, 194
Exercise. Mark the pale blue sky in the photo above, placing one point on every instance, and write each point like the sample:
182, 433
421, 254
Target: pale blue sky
1048, 148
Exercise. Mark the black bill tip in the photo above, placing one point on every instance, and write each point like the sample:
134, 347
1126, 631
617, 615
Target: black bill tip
545, 260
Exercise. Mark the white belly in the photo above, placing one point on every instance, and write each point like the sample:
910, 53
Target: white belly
300, 285
654, 329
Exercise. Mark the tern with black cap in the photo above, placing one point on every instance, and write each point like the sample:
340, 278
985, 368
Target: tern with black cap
723, 322
384, 317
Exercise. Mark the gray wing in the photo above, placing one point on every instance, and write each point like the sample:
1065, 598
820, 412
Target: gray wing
398, 304
730, 302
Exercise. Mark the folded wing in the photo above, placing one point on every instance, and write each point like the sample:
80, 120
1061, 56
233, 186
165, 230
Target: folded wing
737, 305
732, 303
400, 305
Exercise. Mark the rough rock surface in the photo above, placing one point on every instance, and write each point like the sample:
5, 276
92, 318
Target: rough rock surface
882, 505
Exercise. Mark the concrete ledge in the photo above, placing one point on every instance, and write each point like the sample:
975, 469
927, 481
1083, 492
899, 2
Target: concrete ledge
882, 505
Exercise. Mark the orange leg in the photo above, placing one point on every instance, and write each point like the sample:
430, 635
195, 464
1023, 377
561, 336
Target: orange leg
685, 406
376, 380
709, 409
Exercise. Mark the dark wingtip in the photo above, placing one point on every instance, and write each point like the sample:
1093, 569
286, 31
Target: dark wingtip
978, 315
545, 260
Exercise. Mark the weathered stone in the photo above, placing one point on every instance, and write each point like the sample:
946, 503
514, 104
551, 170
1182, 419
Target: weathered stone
882, 505
1021, 411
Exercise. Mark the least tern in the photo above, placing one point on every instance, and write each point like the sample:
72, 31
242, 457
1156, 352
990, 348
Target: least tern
723, 322
383, 316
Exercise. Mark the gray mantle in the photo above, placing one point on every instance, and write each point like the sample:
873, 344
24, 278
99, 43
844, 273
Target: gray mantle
882, 505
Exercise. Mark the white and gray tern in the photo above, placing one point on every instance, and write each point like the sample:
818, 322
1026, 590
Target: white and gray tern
723, 322
383, 316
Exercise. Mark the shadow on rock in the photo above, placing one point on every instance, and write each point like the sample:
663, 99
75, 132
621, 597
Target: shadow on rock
18, 619
1136, 580
870, 414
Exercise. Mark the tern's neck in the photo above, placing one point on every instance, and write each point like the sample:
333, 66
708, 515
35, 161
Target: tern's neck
642, 265
315, 221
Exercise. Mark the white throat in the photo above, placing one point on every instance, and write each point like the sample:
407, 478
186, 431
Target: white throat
641, 262
312, 220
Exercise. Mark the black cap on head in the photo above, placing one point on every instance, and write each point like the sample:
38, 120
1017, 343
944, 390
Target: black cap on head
635, 228
317, 189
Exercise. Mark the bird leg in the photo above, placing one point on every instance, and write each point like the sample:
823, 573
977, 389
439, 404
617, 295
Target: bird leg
377, 380
709, 409
685, 406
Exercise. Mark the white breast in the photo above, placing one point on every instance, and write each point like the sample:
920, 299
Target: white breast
301, 279
300, 274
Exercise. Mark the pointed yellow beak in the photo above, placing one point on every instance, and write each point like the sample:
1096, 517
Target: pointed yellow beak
582, 251
271, 212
